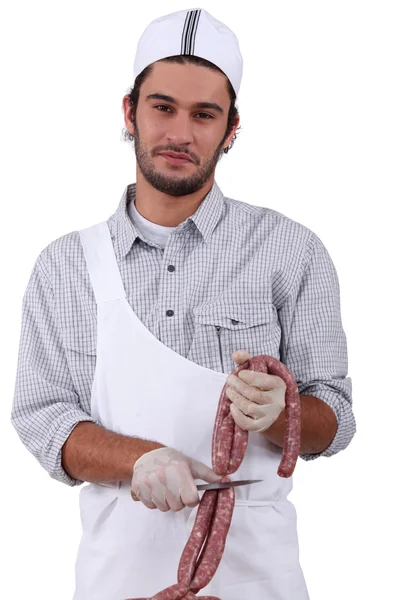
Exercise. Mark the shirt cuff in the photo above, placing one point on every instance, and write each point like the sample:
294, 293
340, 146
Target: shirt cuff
55, 441
346, 427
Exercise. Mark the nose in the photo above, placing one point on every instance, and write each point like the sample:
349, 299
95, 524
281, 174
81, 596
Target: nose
180, 131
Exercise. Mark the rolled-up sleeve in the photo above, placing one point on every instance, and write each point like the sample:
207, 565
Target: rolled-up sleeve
314, 345
45, 406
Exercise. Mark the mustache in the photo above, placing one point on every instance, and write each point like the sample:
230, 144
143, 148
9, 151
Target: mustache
190, 155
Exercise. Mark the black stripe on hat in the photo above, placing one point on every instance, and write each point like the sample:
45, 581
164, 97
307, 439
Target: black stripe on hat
190, 31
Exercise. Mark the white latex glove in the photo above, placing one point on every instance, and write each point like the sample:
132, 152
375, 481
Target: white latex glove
164, 479
257, 398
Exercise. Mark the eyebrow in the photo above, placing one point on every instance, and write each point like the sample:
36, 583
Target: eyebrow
210, 105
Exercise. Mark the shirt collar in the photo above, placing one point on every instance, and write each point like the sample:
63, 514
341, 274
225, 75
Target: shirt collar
124, 233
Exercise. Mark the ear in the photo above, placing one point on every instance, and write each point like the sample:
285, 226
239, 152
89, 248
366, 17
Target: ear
229, 139
127, 108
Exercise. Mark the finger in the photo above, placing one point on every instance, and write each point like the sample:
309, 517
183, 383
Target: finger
187, 490
263, 381
240, 356
144, 494
174, 503
162, 506
269, 418
158, 492
246, 406
189, 494
247, 391
201, 471
246, 423
180, 486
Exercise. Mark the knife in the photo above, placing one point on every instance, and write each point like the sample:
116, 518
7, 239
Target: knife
225, 484
215, 486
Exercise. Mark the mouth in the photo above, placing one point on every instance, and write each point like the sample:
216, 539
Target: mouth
176, 160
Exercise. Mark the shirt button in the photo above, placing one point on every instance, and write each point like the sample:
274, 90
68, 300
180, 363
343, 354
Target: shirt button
234, 322
171, 268
170, 313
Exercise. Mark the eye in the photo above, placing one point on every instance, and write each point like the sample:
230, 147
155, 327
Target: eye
162, 106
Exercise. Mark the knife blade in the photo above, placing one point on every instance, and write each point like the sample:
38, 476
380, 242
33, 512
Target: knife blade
226, 484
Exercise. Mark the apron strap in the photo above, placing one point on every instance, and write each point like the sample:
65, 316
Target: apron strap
101, 263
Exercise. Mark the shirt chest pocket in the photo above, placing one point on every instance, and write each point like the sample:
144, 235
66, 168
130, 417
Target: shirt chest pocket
221, 329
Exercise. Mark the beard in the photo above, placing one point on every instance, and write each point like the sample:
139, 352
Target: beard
173, 185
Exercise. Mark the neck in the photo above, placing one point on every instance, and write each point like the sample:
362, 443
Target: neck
164, 209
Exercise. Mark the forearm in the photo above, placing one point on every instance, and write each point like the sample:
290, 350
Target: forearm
318, 426
92, 453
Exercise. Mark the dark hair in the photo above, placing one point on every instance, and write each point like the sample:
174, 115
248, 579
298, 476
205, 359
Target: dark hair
184, 59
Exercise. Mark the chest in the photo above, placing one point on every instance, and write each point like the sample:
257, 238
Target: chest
202, 305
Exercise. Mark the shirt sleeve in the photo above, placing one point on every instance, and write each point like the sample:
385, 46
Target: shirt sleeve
314, 346
46, 406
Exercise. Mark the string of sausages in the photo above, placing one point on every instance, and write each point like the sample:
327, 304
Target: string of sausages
205, 546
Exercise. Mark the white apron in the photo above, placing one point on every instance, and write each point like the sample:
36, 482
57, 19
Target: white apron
128, 550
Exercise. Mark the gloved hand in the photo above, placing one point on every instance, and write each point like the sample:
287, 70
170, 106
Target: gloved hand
164, 479
257, 398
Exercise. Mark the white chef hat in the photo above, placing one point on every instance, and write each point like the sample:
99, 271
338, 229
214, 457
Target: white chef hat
193, 32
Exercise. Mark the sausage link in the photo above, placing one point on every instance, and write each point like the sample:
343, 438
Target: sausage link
223, 445
236, 441
174, 592
205, 513
223, 412
291, 442
191, 596
240, 436
215, 543
239, 446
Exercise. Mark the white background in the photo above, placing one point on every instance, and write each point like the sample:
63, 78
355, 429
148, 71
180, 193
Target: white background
319, 107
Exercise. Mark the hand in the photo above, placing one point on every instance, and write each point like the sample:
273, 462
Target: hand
164, 479
257, 398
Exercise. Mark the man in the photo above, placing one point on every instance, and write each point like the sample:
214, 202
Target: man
131, 328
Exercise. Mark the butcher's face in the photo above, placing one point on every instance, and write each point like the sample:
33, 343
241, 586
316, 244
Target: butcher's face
183, 109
